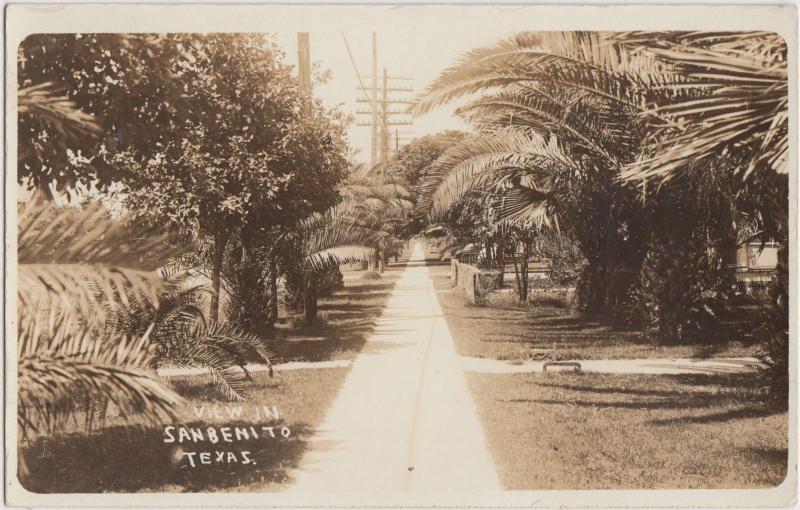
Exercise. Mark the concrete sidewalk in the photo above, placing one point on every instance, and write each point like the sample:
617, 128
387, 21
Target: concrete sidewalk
404, 420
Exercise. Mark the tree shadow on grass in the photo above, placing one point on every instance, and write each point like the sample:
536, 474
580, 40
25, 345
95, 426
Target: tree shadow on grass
347, 319
739, 413
136, 459
745, 386
775, 456
707, 398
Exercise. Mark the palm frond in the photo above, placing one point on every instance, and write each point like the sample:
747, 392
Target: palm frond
583, 61
75, 268
222, 349
739, 101
46, 103
577, 118
526, 207
83, 258
321, 260
69, 361
478, 162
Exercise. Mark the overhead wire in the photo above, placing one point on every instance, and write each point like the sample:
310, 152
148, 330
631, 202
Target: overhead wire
360, 81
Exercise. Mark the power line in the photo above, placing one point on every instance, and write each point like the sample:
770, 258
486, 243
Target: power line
358, 75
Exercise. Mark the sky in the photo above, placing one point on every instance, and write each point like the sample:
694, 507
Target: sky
404, 52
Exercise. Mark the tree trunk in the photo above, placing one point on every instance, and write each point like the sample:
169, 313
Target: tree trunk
372, 261
220, 242
311, 298
501, 260
517, 275
385, 254
526, 250
272, 302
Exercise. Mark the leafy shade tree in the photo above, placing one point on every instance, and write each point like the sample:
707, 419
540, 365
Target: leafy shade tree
84, 95
216, 191
408, 165
262, 250
241, 159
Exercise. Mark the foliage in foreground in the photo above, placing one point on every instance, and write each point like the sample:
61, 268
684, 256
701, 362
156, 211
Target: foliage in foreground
184, 338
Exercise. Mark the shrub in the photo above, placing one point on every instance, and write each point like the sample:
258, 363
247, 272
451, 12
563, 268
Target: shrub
683, 286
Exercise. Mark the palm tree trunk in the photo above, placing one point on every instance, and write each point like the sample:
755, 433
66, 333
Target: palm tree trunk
526, 250
310, 302
517, 275
220, 242
372, 261
501, 260
272, 302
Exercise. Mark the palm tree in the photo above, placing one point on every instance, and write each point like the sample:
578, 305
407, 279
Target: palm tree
641, 108
348, 231
375, 193
729, 109
71, 264
558, 119
708, 92
184, 338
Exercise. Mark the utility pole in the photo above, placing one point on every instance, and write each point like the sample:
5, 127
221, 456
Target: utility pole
304, 75
385, 119
374, 105
380, 114
304, 69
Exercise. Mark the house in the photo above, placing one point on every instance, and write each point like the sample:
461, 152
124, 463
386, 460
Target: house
755, 265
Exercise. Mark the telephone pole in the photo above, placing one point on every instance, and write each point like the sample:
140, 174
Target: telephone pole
381, 117
374, 105
304, 76
304, 69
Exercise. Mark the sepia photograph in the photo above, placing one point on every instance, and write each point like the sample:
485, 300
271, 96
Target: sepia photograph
453, 255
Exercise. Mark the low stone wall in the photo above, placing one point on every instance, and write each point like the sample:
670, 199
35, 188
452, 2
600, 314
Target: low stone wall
475, 282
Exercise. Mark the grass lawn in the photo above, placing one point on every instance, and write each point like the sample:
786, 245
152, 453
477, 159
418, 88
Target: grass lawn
509, 333
125, 458
347, 319
592, 431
